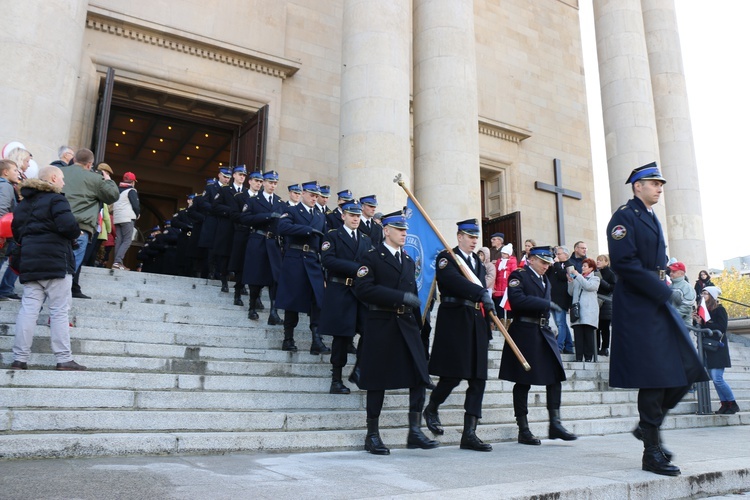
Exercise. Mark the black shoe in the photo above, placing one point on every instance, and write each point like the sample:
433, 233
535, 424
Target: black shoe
604, 352
638, 434
70, 366
469, 438
317, 346
224, 288
274, 319
556, 430
373, 443
11, 296
416, 438
238, 302
19, 365
289, 345
259, 305
338, 387
432, 419
654, 458
567, 351
251, 314
354, 375
524, 433
80, 295
732, 408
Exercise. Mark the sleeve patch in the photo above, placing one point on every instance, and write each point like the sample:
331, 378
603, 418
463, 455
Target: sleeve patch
442, 263
514, 282
362, 271
619, 232
325, 246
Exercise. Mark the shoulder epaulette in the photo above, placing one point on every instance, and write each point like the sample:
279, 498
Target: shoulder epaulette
331, 230
623, 207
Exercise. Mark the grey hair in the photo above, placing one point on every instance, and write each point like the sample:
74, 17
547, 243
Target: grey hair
62, 149
564, 249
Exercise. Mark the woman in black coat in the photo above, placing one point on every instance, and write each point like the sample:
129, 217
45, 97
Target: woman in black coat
606, 287
704, 280
719, 359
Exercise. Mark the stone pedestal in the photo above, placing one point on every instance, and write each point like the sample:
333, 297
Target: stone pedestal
374, 123
446, 158
627, 102
682, 194
41, 53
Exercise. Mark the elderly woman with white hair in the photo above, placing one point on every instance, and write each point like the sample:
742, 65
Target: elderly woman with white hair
717, 359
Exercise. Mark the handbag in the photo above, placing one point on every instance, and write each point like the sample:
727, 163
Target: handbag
575, 309
711, 344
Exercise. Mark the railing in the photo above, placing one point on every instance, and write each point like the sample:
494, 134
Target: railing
702, 389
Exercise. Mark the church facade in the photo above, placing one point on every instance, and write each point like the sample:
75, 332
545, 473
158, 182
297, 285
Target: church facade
473, 102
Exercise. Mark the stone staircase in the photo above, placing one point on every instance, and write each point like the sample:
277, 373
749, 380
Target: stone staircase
175, 368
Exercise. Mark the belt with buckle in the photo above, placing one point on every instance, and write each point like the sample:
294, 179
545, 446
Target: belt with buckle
397, 310
463, 302
304, 248
538, 321
661, 274
267, 234
343, 281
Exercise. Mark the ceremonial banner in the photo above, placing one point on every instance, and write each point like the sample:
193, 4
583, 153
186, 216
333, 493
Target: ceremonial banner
422, 245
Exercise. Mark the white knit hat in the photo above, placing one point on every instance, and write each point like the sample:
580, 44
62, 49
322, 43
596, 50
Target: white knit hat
714, 291
507, 249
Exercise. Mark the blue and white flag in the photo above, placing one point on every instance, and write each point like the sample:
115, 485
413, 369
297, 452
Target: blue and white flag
423, 245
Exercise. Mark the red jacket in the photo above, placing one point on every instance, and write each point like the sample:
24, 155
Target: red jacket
501, 277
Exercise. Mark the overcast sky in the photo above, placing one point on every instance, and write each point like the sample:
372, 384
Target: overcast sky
714, 37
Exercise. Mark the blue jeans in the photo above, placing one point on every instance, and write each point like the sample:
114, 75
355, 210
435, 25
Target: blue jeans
722, 388
8, 282
83, 242
564, 339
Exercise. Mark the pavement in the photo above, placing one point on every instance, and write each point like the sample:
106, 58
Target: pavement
715, 463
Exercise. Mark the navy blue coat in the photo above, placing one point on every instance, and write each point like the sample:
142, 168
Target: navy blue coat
223, 207
651, 347
375, 232
204, 206
241, 231
301, 279
342, 314
333, 219
529, 298
393, 355
262, 265
45, 227
461, 332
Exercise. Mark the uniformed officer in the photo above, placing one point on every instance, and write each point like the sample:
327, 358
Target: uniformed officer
224, 208
242, 196
368, 224
262, 265
529, 296
322, 203
392, 356
462, 335
182, 222
342, 314
196, 254
301, 281
334, 217
651, 348
295, 192
211, 222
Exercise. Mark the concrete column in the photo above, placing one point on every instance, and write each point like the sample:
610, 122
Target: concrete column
683, 200
40, 46
446, 134
374, 120
627, 101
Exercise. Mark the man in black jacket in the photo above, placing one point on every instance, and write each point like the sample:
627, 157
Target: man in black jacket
45, 227
558, 280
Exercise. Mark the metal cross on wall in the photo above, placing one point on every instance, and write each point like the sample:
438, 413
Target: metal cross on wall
559, 193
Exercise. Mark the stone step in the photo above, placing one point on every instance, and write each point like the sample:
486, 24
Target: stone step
61, 444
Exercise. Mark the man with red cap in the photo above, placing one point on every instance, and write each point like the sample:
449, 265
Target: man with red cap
125, 211
683, 294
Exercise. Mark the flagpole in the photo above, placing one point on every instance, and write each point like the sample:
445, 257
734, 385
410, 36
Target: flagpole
466, 272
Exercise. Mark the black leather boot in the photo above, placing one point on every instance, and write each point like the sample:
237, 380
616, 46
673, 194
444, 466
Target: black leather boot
416, 438
317, 346
237, 299
638, 433
337, 386
432, 419
469, 439
373, 443
732, 408
556, 430
288, 344
224, 284
654, 459
524, 433
252, 313
273, 316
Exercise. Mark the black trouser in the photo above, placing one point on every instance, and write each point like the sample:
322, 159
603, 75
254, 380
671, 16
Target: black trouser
521, 398
375, 401
584, 336
291, 318
653, 404
602, 334
340, 350
474, 393
255, 292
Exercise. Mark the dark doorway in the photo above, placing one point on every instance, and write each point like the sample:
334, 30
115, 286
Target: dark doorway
510, 226
172, 143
